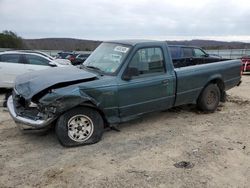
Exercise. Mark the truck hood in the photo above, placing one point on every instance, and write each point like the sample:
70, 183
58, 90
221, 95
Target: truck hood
28, 85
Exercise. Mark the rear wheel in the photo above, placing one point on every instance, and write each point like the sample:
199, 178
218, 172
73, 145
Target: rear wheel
209, 99
79, 126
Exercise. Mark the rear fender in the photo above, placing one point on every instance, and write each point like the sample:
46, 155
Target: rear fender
216, 79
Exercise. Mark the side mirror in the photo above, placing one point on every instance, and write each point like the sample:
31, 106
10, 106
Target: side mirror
129, 73
206, 55
52, 64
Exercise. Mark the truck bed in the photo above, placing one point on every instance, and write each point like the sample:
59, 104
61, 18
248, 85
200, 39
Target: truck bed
192, 79
179, 63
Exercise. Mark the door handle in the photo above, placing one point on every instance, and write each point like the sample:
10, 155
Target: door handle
165, 82
30, 69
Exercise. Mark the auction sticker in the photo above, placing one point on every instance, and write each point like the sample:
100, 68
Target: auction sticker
121, 49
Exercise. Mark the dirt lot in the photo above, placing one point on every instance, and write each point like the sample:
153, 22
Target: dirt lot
143, 154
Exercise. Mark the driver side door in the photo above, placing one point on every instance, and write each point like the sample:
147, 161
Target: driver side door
151, 89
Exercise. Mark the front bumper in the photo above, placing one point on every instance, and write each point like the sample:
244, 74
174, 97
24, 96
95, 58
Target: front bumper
34, 124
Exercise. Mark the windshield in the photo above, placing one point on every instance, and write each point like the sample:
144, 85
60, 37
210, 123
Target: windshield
107, 57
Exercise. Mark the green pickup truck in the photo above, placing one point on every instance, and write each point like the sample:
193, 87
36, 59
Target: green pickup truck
120, 81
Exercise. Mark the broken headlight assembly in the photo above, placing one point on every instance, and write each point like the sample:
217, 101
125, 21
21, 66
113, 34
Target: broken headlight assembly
33, 105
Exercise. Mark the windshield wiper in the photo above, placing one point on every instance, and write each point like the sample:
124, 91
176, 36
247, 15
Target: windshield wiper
92, 67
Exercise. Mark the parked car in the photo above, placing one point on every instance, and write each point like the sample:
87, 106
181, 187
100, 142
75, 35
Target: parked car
58, 60
71, 56
189, 55
37, 52
245, 63
14, 63
63, 55
120, 81
80, 58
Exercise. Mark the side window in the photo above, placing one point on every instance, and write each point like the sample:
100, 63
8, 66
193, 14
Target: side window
199, 53
187, 52
36, 60
174, 52
10, 58
148, 62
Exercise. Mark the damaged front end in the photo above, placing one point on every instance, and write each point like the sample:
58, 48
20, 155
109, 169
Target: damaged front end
39, 98
29, 115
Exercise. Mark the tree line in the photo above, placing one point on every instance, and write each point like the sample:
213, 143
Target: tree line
9, 39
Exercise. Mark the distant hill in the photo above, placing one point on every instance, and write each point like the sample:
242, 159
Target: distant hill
65, 44
68, 44
212, 44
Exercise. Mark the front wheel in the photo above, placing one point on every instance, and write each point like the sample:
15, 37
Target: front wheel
209, 99
79, 126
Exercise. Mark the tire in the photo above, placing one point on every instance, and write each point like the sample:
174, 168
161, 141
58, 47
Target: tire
209, 99
79, 126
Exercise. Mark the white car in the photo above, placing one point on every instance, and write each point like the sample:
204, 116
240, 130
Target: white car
14, 63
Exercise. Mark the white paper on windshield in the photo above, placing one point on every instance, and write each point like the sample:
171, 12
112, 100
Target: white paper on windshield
121, 49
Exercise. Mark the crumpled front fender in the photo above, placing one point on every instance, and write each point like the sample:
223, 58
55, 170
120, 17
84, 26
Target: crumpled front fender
57, 103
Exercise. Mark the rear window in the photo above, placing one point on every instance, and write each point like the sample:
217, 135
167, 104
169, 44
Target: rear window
187, 52
9, 58
174, 52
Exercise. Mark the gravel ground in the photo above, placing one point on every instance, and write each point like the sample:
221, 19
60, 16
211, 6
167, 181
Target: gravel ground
216, 148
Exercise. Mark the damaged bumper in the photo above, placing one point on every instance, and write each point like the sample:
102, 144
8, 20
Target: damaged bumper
31, 123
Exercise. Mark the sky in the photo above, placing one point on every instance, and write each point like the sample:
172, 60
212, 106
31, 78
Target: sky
226, 20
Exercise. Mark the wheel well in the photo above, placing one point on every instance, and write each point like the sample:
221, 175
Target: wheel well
220, 85
93, 106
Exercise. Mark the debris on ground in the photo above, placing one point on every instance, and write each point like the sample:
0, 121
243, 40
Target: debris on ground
184, 164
